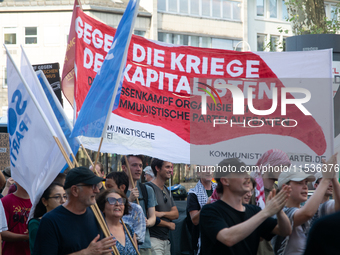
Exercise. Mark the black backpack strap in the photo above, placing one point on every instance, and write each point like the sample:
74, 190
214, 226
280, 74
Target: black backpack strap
145, 195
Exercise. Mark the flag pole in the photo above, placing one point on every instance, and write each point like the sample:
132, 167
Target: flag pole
49, 109
119, 79
95, 208
36, 104
70, 164
131, 179
127, 231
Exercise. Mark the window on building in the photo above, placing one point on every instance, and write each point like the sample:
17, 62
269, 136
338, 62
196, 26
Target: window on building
224, 44
172, 6
236, 11
184, 40
274, 42
194, 41
4, 80
237, 45
194, 7
260, 8
216, 8
284, 10
273, 8
261, 42
205, 42
183, 6
334, 15
139, 32
205, 8
31, 35
227, 9
10, 35
161, 5
197, 41
161, 37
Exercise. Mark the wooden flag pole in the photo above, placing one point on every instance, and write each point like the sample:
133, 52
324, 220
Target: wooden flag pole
127, 231
75, 161
106, 228
87, 155
131, 179
70, 164
97, 156
103, 225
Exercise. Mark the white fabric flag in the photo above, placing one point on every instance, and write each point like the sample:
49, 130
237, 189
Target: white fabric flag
3, 221
34, 155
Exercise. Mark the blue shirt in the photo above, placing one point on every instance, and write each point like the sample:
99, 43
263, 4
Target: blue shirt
151, 203
136, 220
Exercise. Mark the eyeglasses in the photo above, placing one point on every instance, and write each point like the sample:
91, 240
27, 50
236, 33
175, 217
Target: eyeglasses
59, 197
94, 186
113, 200
164, 197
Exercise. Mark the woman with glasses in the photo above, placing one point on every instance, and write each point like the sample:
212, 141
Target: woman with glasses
52, 197
114, 205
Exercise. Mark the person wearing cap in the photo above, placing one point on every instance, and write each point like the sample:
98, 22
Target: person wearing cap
229, 227
72, 228
197, 198
300, 217
148, 174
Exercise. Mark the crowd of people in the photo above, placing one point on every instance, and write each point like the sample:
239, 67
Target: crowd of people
227, 213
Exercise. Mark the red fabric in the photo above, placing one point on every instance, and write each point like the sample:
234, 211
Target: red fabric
17, 211
273, 157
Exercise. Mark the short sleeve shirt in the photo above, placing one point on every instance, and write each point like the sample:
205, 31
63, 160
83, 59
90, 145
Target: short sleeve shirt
219, 215
296, 241
151, 203
164, 204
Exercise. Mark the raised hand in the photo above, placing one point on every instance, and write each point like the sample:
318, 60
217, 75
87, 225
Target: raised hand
275, 202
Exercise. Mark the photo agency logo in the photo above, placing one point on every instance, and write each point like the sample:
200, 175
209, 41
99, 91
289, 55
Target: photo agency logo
239, 106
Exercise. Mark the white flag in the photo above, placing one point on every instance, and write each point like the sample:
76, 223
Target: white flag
34, 155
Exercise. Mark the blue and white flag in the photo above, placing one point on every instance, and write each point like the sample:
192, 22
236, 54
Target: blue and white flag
34, 154
59, 113
37, 90
104, 94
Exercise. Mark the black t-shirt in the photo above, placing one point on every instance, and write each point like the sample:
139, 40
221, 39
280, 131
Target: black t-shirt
192, 205
323, 238
219, 215
63, 232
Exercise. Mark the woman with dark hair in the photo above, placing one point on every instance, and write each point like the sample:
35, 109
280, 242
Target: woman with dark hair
114, 205
52, 197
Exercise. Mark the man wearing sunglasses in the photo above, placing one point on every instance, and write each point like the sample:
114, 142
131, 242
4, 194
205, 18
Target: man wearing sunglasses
72, 228
166, 209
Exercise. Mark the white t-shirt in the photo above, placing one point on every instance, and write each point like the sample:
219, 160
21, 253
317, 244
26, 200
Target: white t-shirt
3, 221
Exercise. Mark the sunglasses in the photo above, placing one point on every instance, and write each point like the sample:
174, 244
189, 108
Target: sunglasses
113, 200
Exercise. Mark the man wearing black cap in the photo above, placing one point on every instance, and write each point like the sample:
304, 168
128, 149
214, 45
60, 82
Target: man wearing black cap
72, 227
230, 227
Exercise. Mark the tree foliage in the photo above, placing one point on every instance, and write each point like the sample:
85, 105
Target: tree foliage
309, 17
